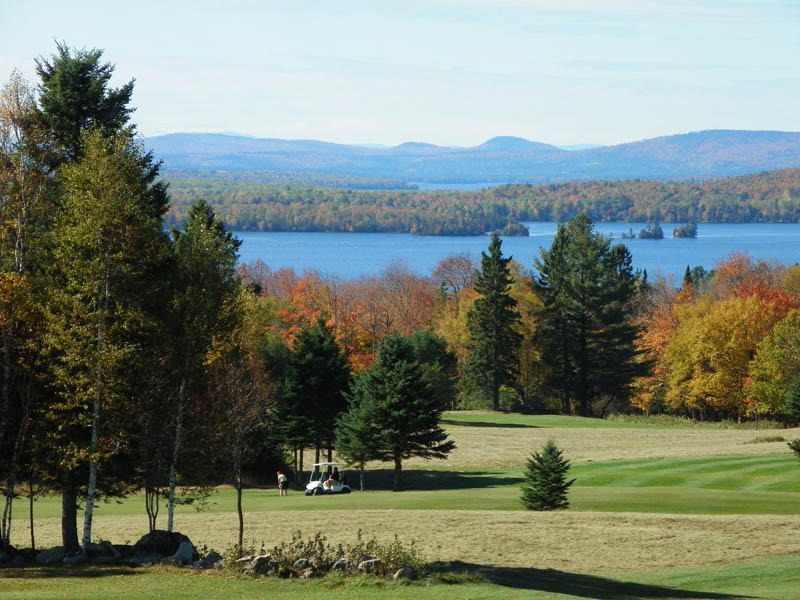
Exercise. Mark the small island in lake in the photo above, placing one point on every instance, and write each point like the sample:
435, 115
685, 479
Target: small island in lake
653, 231
685, 231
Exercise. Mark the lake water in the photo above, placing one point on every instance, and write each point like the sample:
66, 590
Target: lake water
350, 255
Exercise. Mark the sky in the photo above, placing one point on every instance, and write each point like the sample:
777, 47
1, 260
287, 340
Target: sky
449, 72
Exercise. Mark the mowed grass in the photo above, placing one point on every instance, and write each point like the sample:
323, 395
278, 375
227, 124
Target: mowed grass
493, 419
656, 512
773, 578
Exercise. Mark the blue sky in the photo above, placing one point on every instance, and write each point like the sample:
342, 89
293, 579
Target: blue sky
442, 71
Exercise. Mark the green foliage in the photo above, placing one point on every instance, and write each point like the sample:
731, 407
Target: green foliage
794, 445
75, 97
685, 231
791, 402
322, 554
546, 482
585, 332
394, 410
652, 232
494, 341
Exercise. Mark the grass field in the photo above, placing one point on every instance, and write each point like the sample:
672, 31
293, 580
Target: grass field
655, 513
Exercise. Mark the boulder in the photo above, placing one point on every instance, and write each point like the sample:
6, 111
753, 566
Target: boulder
75, 559
95, 550
183, 555
369, 565
111, 550
308, 573
165, 543
260, 565
212, 561
142, 559
7, 555
404, 573
301, 563
18, 560
341, 565
105, 560
50, 556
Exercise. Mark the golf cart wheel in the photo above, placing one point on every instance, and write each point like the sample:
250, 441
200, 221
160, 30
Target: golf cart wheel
346, 490
318, 491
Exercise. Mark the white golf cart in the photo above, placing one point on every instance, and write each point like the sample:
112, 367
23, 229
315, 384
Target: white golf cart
327, 479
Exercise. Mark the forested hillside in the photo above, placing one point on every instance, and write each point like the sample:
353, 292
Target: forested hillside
772, 196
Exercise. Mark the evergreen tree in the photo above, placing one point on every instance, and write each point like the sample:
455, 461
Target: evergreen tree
493, 358
317, 377
356, 436
585, 334
791, 403
546, 479
400, 407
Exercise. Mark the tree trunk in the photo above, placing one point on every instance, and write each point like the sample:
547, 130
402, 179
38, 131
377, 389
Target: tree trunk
151, 503
299, 476
398, 467
361, 476
173, 466
69, 519
88, 513
30, 511
239, 510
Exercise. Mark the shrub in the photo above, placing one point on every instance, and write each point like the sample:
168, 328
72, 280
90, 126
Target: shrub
795, 446
546, 477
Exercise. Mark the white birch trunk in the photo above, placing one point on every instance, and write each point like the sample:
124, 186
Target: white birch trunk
173, 467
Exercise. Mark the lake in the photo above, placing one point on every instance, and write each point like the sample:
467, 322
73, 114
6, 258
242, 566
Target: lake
350, 255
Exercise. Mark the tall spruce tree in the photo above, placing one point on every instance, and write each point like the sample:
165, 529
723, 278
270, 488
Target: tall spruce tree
313, 397
494, 342
585, 333
396, 410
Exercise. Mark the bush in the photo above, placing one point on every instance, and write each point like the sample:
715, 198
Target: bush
795, 446
546, 477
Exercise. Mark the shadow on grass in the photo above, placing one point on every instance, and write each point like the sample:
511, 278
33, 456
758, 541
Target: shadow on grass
574, 584
66, 571
419, 479
487, 424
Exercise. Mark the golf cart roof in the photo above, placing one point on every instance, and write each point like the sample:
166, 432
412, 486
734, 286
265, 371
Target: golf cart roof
327, 464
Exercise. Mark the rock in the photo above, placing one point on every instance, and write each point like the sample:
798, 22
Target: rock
50, 556
308, 572
301, 563
163, 542
105, 560
111, 550
212, 561
370, 565
18, 560
341, 565
75, 559
7, 555
94, 550
404, 573
260, 565
183, 555
142, 559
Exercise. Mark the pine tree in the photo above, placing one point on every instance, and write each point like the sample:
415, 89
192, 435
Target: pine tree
401, 408
546, 478
585, 333
493, 358
791, 403
317, 377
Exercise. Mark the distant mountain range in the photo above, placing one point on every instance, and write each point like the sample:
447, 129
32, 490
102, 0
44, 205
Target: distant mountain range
699, 155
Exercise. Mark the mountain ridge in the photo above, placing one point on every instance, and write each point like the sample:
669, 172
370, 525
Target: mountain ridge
706, 154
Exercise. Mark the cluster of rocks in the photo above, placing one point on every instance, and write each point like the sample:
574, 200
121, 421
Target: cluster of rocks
305, 568
157, 547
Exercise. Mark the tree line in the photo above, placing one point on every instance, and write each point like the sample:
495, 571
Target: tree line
253, 206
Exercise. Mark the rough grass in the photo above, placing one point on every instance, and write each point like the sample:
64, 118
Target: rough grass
580, 542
